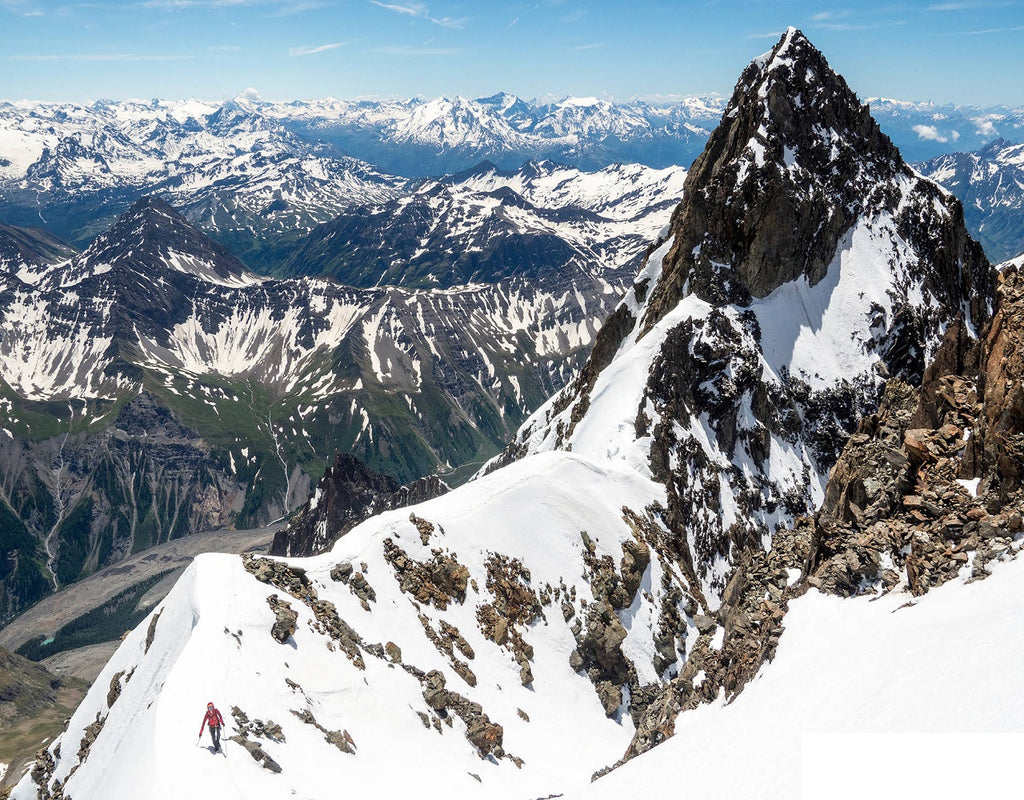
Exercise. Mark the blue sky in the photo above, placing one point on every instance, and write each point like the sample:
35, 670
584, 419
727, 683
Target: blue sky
963, 51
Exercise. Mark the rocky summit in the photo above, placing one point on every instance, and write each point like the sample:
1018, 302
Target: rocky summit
797, 401
762, 328
796, 164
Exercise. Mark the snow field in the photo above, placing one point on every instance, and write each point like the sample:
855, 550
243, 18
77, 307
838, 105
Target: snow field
864, 697
821, 332
533, 511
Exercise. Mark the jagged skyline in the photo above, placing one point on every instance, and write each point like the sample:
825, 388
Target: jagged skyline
967, 51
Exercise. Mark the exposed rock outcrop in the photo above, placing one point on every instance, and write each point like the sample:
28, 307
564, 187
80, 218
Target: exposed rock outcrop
284, 618
746, 226
248, 731
348, 493
438, 581
484, 735
924, 492
995, 453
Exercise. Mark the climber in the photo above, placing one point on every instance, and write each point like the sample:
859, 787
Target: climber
216, 722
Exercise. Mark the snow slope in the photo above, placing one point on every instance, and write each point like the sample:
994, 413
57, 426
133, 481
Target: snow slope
881, 696
211, 641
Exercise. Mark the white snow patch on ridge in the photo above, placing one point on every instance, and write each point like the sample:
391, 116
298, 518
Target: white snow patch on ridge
213, 642
869, 667
822, 333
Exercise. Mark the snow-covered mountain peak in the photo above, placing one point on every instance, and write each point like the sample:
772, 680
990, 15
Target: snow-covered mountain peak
153, 232
582, 102
795, 167
457, 122
502, 101
805, 263
579, 118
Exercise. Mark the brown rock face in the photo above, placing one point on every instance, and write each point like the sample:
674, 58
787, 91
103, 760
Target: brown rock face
284, 619
996, 452
349, 493
895, 496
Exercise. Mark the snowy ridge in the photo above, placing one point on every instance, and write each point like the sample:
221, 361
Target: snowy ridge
730, 371
851, 676
486, 225
1017, 262
622, 192
781, 470
218, 613
990, 184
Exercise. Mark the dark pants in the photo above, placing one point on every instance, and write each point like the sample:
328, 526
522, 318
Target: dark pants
215, 735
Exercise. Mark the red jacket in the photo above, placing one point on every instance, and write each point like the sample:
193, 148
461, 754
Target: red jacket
214, 719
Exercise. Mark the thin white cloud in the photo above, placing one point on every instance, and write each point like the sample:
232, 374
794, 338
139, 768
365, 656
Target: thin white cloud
822, 16
284, 7
769, 35
23, 8
308, 50
852, 26
513, 22
412, 9
450, 22
987, 31
929, 133
291, 9
986, 127
419, 11
591, 46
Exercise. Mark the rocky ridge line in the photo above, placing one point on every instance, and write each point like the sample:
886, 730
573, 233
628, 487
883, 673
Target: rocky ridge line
928, 490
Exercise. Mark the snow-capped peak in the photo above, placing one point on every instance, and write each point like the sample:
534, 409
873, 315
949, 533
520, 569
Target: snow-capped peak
778, 54
802, 265
581, 102
153, 232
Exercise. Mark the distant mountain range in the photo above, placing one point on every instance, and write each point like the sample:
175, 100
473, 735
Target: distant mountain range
151, 386
487, 224
990, 184
260, 176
